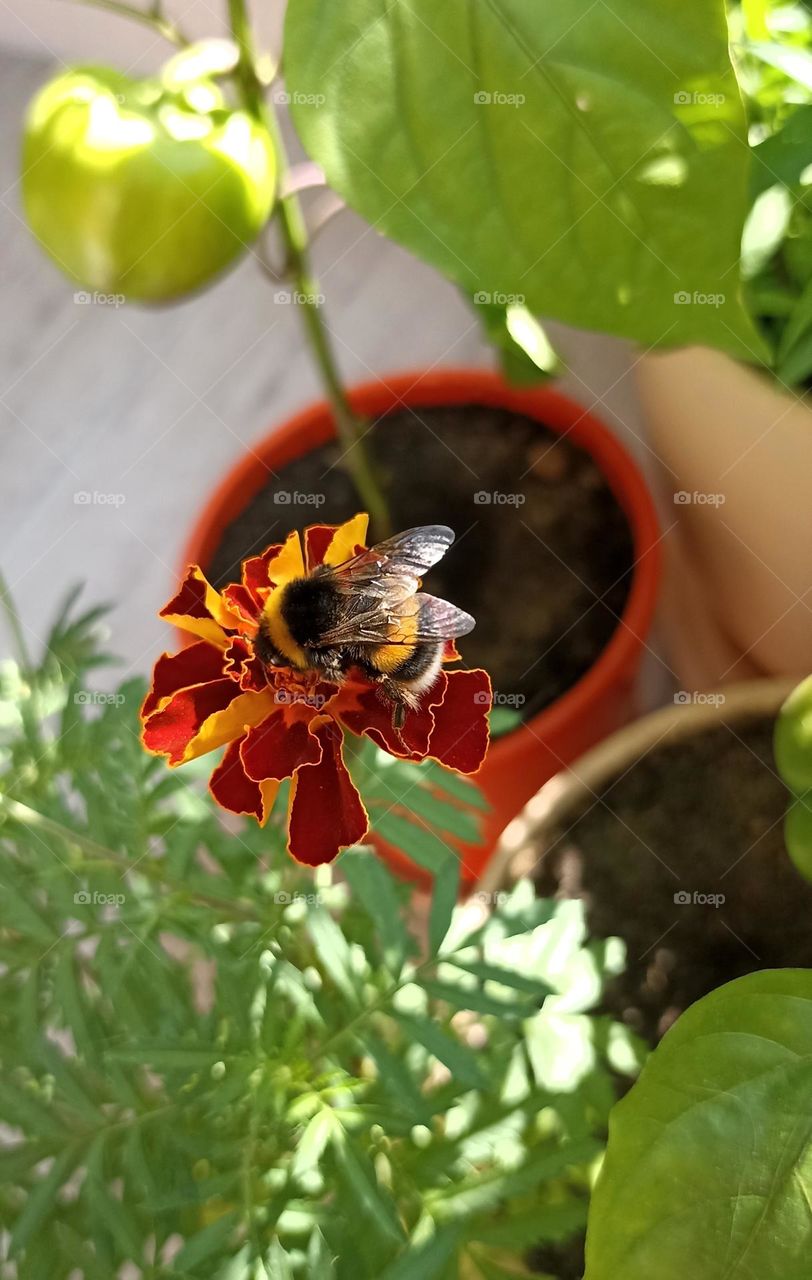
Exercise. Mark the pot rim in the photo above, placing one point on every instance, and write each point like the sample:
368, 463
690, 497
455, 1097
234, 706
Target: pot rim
378, 397
524, 842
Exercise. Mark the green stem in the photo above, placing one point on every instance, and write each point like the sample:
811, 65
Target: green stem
15, 626
28, 704
100, 854
355, 458
379, 1005
348, 428
153, 18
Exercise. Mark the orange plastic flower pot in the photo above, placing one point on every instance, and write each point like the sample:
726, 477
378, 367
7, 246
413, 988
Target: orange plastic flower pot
603, 699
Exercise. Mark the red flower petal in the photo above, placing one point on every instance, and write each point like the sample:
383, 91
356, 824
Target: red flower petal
362, 709
278, 746
316, 541
240, 601
243, 666
460, 737
255, 572
326, 813
169, 731
333, 544
233, 790
202, 718
198, 664
199, 609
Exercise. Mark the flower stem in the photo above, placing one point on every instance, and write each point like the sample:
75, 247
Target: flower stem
355, 458
153, 17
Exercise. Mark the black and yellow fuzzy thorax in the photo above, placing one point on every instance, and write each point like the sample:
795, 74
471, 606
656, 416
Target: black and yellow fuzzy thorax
296, 617
300, 614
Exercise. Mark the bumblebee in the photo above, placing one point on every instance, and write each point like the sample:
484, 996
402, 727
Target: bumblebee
368, 613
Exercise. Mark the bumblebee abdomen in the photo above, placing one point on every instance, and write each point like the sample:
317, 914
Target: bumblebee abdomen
389, 658
411, 662
413, 668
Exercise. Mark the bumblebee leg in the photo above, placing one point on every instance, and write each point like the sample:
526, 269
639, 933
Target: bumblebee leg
393, 694
329, 663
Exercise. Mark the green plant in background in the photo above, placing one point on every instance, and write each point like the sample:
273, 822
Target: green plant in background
793, 758
587, 159
773, 52
216, 1067
588, 162
708, 1171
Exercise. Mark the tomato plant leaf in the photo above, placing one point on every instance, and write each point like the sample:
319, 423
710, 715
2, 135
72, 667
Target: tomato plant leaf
590, 162
708, 1170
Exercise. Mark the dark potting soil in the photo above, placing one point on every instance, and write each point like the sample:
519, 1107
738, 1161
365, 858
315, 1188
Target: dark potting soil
689, 822
564, 1261
544, 554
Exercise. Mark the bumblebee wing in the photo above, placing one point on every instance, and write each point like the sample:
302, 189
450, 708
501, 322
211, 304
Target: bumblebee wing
380, 591
416, 550
375, 626
440, 620
391, 570
437, 620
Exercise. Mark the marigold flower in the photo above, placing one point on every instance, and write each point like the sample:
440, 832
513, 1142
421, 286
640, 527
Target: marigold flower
279, 722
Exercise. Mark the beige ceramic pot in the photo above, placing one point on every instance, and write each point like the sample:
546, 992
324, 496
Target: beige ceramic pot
735, 454
526, 840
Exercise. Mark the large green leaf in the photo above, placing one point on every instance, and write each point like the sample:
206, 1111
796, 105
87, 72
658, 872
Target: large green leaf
587, 159
708, 1172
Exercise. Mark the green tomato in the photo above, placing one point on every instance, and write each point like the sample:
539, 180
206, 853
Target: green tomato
793, 739
798, 834
147, 188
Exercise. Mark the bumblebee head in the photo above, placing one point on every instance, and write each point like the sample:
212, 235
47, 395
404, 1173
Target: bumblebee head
266, 650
